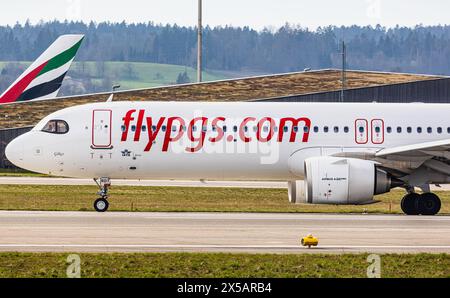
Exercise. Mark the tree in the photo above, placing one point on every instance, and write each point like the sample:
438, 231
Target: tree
183, 78
234, 50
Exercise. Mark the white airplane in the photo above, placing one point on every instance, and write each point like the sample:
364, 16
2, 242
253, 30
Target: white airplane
329, 153
43, 79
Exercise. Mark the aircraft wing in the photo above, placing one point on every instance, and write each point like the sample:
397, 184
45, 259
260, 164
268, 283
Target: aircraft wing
405, 160
431, 149
432, 156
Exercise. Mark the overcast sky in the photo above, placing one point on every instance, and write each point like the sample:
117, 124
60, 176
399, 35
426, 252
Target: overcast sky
254, 13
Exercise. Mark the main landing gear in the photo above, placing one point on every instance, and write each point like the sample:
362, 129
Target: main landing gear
102, 204
424, 204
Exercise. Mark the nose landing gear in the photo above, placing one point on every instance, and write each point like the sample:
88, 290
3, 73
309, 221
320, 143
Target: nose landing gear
102, 204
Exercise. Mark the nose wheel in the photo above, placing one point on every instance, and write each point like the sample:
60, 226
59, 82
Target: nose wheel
102, 204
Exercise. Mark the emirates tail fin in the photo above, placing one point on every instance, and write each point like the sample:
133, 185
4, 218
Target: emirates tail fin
43, 79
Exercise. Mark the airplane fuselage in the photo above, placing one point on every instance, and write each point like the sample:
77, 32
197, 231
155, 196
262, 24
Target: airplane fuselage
218, 141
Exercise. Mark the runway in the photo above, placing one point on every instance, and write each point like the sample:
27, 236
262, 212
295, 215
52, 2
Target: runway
220, 232
162, 183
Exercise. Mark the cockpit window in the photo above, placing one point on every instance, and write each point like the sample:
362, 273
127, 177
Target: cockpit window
56, 127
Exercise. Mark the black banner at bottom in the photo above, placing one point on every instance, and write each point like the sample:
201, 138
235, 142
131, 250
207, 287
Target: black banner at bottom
225, 287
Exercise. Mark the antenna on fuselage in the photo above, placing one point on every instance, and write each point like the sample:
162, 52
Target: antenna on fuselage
111, 97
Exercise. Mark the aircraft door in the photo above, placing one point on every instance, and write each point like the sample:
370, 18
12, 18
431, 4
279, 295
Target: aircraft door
361, 131
377, 131
101, 129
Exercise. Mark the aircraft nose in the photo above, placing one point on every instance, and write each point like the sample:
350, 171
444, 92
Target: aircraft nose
15, 151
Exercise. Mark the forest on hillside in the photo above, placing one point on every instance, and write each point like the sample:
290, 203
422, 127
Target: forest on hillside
235, 50
290, 48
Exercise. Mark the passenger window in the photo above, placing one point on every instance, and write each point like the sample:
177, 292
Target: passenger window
409, 129
361, 129
133, 128
419, 129
56, 127
164, 128
448, 130
346, 129
286, 129
224, 129
235, 128
296, 129
306, 129
123, 128
326, 129
336, 129
399, 129
316, 129
144, 128
154, 128
389, 129
430, 130
439, 130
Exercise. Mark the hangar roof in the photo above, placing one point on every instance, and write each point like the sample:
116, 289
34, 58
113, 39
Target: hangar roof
29, 113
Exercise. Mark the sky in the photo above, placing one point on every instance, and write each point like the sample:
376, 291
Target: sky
257, 14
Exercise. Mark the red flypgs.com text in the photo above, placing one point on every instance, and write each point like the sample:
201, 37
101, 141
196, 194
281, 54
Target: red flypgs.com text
203, 129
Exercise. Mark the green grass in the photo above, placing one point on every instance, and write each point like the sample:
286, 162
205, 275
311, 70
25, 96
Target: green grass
147, 74
144, 75
181, 199
19, 173
182, 265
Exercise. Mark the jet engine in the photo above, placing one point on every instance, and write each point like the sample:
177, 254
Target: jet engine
341, 181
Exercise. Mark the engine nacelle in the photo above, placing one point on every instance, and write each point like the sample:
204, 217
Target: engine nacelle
297, 192
340, 181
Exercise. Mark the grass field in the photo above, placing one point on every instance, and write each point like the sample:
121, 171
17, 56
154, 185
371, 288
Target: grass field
143, 75
182, 199
19, 173
135, 75
182, 265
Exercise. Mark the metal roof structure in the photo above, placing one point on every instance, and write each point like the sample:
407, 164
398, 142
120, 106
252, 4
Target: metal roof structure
281, 87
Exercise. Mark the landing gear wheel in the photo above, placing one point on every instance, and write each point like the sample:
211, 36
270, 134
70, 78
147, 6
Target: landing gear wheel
101, 205
410, 204
429, 204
